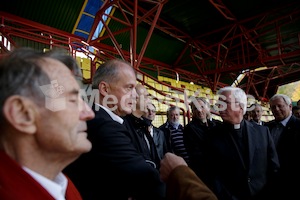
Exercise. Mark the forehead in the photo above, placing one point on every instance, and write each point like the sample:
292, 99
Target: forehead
228, 95
126, 74
201, 102
278, 100
174, 112
258, 108
59, 73
150, 106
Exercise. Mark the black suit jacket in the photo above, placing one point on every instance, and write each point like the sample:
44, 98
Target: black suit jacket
138, 129
231, 177
288, 150
160, 141
113, 169
195, 136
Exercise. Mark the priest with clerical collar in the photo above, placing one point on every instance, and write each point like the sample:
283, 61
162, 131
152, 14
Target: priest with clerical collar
242, 159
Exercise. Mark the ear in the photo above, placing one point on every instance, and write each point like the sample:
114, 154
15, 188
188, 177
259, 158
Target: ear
20, 112
104, 88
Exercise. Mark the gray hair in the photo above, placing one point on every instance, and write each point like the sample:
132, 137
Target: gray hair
66, 59
108, 72
170, 109
21, 74
252, 106
286, 99
238, 94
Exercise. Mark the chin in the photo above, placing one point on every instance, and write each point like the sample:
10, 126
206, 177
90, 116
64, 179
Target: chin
127, 110
85, 148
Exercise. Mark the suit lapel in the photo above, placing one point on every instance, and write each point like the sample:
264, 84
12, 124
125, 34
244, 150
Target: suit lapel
155, 136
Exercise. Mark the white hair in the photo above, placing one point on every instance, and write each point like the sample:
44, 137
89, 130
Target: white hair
238, 94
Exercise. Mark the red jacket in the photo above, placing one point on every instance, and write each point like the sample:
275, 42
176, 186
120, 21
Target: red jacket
16, 184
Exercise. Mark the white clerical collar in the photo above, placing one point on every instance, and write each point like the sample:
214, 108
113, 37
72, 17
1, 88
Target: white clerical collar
236, 126
56, 188
111, 114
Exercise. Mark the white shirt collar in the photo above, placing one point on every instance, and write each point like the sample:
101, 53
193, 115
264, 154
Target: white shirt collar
56, 188
285, 121
111, 114
151, 130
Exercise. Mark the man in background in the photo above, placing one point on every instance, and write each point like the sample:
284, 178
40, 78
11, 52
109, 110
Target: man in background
285, 130
114, 168
195, 133
296, 111
256, 113
156, 133
138, 128
173, 132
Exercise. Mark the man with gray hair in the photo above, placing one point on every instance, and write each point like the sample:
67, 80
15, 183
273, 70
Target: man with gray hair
242, 158
256, 113
285, 130
173, 131
195, 132
114, 168
36, 140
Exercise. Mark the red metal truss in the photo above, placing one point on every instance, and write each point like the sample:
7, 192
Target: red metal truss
239, 47
14, 26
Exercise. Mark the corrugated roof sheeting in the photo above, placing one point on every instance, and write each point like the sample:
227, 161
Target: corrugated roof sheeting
87, 18
60, 14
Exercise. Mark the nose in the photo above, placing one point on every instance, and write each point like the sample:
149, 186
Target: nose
86, 113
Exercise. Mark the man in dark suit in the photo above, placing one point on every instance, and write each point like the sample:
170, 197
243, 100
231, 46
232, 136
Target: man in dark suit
157, 134
296, 111
285, 130
195, 132
138, 128
173, 132
242, 156
256, 114
114, 169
